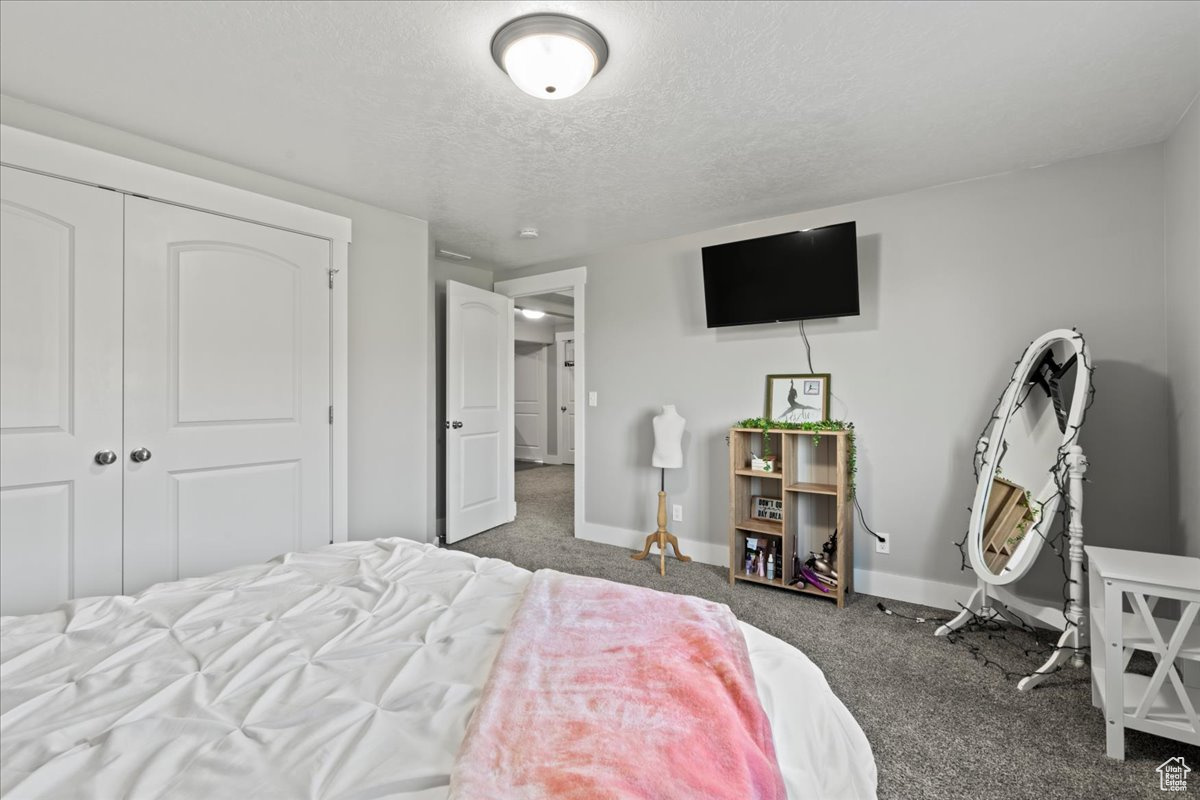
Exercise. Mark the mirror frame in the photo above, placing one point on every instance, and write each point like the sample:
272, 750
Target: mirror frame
1049, 497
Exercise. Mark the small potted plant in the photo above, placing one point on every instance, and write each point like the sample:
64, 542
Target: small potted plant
767, 462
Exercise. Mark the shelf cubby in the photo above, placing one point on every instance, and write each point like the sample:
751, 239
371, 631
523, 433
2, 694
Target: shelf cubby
772, 537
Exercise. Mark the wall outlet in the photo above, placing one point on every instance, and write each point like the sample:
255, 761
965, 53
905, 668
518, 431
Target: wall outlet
677, 513
884, 543
592, 399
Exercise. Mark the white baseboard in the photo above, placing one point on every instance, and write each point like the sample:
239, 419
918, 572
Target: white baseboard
921, 591
552, 460
882, 584
704, 552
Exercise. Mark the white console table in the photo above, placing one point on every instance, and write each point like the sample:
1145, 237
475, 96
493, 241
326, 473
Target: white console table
1162, 704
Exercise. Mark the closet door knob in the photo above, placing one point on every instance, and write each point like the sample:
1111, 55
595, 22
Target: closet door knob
140, 455
105, 457
456, 425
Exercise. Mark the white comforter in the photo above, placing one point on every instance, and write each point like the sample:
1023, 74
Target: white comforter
349, 672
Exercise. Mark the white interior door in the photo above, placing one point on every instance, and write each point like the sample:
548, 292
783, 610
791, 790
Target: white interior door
226, 393
60, 391
566, 396
479, 405
529, 401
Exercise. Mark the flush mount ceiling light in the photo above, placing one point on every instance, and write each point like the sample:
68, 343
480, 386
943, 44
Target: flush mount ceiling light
532, 313
551, 56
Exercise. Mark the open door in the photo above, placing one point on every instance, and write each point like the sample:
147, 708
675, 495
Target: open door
479, 411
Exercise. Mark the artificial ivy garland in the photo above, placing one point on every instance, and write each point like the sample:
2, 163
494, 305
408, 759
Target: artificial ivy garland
765, 425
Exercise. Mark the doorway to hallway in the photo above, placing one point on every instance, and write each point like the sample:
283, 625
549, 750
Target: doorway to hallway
544, 410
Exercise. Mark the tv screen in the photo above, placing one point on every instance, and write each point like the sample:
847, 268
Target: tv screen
791, 276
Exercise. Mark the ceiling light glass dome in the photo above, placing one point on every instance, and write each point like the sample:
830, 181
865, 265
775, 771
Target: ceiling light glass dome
551, 56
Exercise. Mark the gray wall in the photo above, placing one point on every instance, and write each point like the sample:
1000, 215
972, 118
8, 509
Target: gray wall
956, 280
1182, 171
390, 483
533, 330
441, 271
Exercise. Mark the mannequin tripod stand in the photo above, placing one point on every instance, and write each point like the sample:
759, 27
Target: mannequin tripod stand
662, 536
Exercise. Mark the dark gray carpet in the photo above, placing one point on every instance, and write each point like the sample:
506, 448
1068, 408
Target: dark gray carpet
942, 724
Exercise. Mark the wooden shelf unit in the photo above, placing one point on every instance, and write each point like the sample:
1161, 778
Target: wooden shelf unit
814, 484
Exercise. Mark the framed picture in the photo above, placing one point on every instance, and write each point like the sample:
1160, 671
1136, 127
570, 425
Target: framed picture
798, 398
769, 508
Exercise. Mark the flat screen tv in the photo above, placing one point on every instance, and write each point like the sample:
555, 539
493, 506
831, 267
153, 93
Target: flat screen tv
799, 275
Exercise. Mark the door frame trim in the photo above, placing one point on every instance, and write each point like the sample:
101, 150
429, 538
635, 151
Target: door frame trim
575, 280
55, 158
34, 152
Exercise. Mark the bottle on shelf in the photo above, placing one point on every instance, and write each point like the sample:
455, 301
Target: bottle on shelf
771, 562
797, 564
762, 565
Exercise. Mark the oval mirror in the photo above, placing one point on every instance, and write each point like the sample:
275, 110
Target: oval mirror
1020, 458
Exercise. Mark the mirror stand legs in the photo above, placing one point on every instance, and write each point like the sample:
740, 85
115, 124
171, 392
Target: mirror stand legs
1068, 648
1073, 640
974, 605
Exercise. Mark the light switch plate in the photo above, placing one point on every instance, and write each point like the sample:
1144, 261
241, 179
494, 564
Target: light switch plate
592, 399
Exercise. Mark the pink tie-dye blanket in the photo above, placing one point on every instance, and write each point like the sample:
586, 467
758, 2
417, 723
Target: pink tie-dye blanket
604, 691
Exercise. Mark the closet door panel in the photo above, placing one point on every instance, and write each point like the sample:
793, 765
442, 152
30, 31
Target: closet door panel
60, 391
227, 389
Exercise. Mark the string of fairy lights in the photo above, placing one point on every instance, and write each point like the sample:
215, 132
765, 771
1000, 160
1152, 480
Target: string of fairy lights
1054, 536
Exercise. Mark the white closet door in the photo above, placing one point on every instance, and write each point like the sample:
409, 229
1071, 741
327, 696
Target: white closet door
529, 401
60, 391
226, 393
566, 397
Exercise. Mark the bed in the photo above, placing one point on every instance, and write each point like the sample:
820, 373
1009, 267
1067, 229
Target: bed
347, 672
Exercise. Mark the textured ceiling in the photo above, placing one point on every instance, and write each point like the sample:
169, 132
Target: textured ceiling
707, 113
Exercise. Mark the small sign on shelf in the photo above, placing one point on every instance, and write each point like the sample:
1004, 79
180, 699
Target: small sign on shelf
768, 508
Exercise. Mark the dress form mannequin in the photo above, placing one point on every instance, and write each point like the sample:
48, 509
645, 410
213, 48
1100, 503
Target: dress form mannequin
668, 439
668, 454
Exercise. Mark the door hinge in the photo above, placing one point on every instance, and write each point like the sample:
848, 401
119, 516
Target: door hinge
332, 272
331, 415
